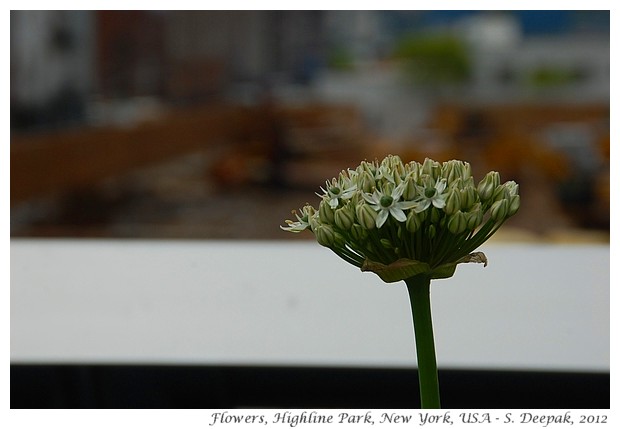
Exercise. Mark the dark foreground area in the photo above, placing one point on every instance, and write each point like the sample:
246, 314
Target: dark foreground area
155, 386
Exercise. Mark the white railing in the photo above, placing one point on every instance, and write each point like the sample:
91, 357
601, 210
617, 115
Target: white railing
294, 303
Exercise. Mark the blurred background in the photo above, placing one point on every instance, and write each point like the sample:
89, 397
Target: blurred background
215, 124
178, 124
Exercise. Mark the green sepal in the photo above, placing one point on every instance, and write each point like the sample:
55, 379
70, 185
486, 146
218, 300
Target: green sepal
406, 268
443, 271
396, 271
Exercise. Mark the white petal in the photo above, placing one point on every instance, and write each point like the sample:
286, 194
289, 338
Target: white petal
398, 191
370, 199
294, 227
422, 205
406, 205
383, 215
440, 203
348, 192
398, 214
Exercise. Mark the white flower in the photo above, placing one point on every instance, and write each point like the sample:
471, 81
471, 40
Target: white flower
337, 190
303, 221
429, 194
386, 204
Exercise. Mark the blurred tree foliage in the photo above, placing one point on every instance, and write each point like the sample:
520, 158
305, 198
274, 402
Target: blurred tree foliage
548, 76
340, 58
434, 59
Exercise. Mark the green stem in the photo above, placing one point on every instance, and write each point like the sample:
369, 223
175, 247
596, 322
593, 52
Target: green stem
419, 295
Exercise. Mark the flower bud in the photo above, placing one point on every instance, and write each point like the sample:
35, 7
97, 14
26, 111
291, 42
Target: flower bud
339, 240
512, 187
466, 172
431, 231
449, 171
468, 197
326, 212
358, 232
500, 193
487, 186
511, 193
412, 169
499, 210
367, 182
453, 201
393, 163
431, 168
344, 218
514, 203
366, 216
409, 189
457, 223
457, 183
398, 179
386, 243
325, 235
456, 170
414, 221
422, 215
364, 167
475, 217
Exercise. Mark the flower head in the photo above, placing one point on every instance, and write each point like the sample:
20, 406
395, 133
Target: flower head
403, 219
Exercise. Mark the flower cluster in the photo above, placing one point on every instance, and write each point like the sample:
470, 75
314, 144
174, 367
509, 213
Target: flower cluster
402, 219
